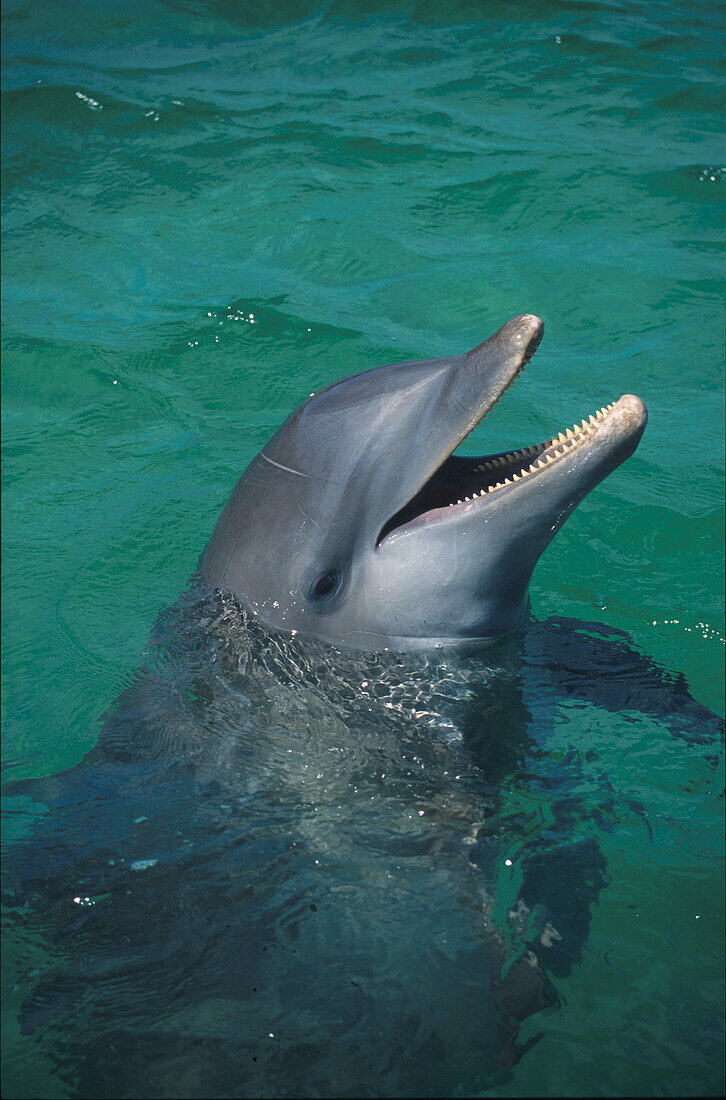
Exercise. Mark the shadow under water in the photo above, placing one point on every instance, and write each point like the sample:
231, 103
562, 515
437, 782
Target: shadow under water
291, 870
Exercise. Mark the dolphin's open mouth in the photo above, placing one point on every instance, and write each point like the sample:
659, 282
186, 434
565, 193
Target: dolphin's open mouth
463, 485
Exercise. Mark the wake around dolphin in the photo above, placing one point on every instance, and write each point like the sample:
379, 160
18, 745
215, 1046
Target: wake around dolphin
359, 525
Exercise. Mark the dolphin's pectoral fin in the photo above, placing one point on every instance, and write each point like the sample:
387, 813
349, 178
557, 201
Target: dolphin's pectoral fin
521, 991
512, 1052
603, 666
558, 889
47, 790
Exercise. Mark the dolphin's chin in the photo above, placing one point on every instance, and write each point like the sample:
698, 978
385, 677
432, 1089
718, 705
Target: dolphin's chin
564, 467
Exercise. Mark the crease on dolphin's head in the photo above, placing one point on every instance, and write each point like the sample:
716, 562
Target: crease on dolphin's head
358, 524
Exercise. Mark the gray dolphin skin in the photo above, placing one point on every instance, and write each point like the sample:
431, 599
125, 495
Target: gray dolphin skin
358, 525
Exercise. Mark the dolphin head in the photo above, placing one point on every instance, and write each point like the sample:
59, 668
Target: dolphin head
358, 524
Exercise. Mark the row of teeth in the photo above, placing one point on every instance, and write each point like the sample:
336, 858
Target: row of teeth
562, 444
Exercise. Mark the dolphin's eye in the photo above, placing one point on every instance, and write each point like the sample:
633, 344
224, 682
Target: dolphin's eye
326, 585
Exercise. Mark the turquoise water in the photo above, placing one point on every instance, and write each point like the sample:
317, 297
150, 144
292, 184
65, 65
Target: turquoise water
213, 209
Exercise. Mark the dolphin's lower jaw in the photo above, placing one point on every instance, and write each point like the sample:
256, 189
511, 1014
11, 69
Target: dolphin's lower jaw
564, 468
359, 525
491, 518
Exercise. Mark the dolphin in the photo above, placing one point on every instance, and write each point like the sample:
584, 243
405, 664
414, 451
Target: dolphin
357, 523
288, 867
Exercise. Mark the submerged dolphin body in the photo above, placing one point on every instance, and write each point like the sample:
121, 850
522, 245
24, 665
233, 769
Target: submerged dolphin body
357, 523
288, 868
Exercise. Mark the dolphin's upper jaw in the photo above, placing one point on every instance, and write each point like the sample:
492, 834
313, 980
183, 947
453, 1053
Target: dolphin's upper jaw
468, 390
576, 459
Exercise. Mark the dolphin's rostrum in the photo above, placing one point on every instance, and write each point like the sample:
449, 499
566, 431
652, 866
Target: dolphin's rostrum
358, 524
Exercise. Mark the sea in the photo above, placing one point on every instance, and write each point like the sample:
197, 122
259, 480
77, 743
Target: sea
211, 209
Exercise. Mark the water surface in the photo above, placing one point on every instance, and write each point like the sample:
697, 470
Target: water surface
213, 209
